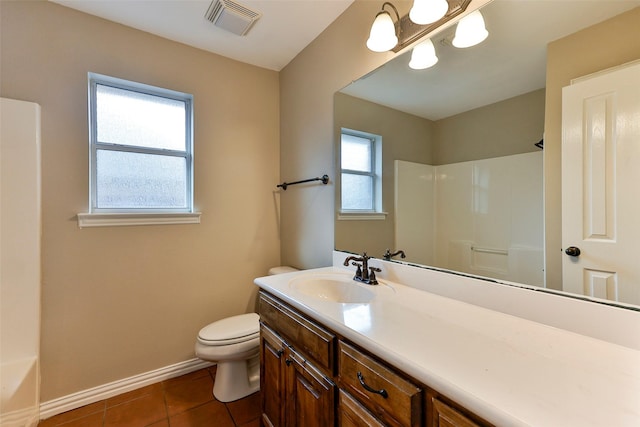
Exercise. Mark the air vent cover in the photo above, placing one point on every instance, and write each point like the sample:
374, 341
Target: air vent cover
232, 16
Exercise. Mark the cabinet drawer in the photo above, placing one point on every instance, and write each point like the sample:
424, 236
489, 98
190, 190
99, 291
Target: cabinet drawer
301, 333
445, 416
352, 414
444, 412
391, 398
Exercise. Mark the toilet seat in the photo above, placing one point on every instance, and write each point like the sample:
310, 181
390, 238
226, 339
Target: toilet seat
232, 330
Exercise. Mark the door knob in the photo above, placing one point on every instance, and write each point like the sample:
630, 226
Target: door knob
572, 251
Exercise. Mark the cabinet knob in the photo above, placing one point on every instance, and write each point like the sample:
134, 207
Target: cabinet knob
288, 361
382, 392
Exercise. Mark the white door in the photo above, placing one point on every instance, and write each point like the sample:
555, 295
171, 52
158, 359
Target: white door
601, 185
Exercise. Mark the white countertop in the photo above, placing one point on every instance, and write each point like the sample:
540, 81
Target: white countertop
508, 370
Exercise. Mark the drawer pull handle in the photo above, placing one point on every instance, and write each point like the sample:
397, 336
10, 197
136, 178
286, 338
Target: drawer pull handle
288, 361
382, 392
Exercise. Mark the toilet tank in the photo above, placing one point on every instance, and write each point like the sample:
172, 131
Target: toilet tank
281, 269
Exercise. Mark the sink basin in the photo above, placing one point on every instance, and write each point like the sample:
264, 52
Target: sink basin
332, 287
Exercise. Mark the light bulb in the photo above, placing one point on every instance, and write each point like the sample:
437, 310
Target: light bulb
427, 11
383, 33
470, 30
423, 56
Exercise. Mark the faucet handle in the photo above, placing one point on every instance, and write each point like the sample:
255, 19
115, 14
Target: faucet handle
372, 275
358, 269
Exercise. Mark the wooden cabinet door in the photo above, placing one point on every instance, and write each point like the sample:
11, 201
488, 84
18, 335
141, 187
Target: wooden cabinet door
272, 378
310, 395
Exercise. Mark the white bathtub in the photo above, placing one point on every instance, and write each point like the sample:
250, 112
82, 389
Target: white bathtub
19, 263
19, 403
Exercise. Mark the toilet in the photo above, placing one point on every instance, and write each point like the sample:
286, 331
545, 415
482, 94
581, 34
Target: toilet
234, 344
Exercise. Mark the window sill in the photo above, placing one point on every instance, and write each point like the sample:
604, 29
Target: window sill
362, 216
124, 219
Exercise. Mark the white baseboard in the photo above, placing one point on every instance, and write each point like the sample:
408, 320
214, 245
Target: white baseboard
95, 394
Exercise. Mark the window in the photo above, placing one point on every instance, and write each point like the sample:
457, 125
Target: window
141, 148
360, 172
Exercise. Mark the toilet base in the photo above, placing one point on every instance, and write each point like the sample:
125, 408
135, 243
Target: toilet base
236, 379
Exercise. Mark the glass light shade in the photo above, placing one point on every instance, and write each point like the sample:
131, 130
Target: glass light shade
470, 30
427, 11
383, 33
423, 56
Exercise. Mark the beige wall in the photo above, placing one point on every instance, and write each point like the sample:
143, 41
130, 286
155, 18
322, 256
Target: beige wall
404, 137
307, 85
607, 44
505, 128
119, 301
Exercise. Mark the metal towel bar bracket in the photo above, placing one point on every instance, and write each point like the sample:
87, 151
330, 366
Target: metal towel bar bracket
284, 185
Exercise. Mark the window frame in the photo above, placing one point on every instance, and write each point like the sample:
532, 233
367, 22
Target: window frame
376, 212
137, 216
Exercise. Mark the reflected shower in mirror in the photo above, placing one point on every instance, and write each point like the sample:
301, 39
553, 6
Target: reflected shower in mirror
462, 167
480, 210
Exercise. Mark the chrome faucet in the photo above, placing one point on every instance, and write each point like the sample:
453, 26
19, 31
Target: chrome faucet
364, 273
388, 255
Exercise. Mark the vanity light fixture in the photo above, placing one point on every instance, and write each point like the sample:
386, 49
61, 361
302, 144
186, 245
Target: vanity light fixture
384, 33
470, 30
427, 11
395, 34
423, 56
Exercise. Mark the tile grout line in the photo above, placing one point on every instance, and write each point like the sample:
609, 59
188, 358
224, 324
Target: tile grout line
164, 399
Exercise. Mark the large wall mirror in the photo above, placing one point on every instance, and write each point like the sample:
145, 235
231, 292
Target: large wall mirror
462, 145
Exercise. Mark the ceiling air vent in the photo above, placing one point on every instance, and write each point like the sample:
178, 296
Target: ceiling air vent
232, 16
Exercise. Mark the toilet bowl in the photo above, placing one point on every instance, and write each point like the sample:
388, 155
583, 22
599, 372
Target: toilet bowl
234, 344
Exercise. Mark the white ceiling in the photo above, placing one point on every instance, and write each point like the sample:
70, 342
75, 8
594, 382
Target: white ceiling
285, 28
510, 62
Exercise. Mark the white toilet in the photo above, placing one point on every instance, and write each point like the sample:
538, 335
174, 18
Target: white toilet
234, 344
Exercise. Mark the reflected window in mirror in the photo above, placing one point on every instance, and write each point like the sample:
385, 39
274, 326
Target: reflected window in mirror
360, 172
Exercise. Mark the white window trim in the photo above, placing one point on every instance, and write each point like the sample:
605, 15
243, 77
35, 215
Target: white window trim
361, 216
125, 219
97, 217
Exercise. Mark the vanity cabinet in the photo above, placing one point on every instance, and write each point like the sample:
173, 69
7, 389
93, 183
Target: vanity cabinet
310, 376
295, 392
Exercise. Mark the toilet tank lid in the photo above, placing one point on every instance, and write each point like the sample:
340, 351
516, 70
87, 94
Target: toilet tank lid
231, 327
281, 269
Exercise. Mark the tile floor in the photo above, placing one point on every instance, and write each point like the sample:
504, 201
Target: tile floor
185, 401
